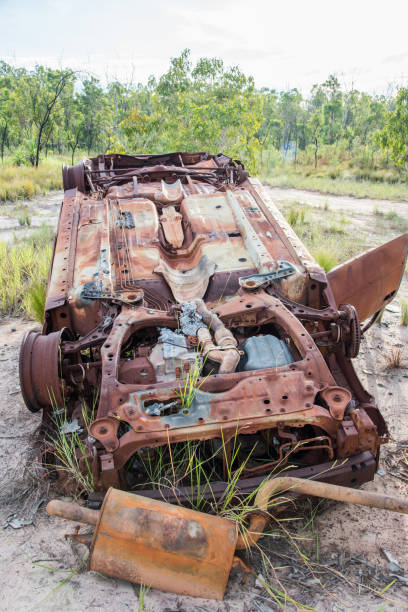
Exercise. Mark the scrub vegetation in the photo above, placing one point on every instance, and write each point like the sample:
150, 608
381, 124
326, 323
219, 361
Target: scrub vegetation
25, 182
24, 270
344, 142
324, 232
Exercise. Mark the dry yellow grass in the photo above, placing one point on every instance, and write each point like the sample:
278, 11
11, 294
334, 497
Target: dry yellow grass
24, 182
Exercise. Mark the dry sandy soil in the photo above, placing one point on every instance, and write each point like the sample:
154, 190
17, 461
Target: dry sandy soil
41, 570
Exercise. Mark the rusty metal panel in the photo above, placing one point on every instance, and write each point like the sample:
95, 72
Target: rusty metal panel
371, 280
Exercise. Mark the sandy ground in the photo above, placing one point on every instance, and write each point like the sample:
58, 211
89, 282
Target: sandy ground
40, 570
350, 206
42, 210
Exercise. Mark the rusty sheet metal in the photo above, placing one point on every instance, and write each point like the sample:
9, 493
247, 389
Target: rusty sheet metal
147, 292
171, 222
371, 280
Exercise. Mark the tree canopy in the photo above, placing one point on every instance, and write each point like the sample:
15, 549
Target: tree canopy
202, 106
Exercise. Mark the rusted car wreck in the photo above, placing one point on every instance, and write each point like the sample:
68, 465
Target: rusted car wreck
181, 298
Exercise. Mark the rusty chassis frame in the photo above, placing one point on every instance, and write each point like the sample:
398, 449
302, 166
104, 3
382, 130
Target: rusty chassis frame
144, 242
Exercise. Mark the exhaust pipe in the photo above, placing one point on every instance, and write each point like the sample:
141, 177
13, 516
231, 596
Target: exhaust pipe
183, 551
313, 488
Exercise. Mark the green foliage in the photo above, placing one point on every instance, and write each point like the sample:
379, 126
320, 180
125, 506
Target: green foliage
325, 258
24, 219
23, 279
296, 217
205, 107
394, 135
190, 384
70, 452
34, 299
341, 136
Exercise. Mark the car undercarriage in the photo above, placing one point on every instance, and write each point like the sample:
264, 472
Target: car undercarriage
183, 309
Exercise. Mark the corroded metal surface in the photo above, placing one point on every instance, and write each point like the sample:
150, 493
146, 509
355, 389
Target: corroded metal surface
142, 240
371, 280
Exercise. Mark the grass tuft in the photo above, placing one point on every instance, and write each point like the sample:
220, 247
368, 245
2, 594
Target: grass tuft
24, 220
24, 272
395, 359
325, 258
70, 453
404, 313
191, 383
34, 300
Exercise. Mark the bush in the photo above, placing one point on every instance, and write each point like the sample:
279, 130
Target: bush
24, 156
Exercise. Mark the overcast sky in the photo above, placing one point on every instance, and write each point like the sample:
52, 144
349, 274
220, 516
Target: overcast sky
285, 43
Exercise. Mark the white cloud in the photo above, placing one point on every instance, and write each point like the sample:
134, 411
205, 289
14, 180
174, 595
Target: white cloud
293, 43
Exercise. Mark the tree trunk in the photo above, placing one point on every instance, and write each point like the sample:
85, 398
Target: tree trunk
73, 153
296, 143
315, 154
37, 153
3, 142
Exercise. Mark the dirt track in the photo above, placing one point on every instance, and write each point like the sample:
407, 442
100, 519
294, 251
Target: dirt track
343, 532
346, 204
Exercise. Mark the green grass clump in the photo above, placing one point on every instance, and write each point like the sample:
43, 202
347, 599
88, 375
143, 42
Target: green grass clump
24, 272
34, 300
24, 219
404, 313
296, 216
24, 182
326, 259
70, 452
191, 384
